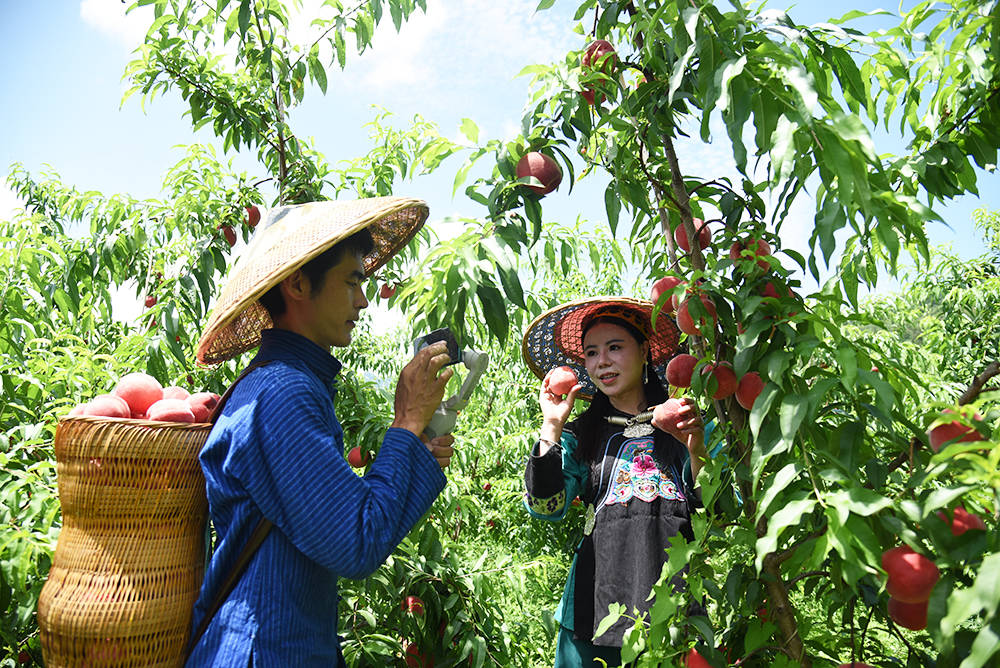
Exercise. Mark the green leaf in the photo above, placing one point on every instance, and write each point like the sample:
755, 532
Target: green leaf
470, 130
858, 501
318, 72
511, 284
244, 17
615, 611
494, 310
613, 205
787, 516
794, 408
776, 485
544, 4
341, 47
847, 359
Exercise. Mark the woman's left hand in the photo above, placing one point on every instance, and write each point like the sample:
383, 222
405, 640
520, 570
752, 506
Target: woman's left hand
688, 421
690, 430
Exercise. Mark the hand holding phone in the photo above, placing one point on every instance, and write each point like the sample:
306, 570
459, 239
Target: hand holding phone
444, 334
421, 388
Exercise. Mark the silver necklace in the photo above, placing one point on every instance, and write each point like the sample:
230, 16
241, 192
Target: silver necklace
637, 425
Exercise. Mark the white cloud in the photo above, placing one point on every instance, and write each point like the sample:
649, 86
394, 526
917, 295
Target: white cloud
109, 17
10, 203
458, 42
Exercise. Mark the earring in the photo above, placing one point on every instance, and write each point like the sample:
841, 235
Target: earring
645, 372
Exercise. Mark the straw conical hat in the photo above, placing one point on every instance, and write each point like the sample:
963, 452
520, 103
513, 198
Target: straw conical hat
555, 338
286, 239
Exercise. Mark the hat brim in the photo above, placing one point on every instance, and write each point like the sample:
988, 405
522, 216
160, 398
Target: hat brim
289, 237
555, 338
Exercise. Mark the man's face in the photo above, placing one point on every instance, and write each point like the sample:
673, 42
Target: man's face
338, 304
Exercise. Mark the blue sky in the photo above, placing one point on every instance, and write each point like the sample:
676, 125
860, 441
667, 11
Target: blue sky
61, 63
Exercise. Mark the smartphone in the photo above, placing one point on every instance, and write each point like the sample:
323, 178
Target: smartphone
444, 334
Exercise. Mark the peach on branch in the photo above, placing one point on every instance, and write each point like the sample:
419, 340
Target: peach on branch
229, 233
962, 520
912, 576
912, 616
415, 658
542, 167
598, 53
680, 369
150, 301
771, 290
749, 388
757, 248
701, 228
139, 390
253, 216
686, 322
953, 431
725, 379
695, 660
386, 291
665, 284
413, 605
357, 458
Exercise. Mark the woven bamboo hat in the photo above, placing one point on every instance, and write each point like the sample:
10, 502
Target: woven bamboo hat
555, 338
286, 239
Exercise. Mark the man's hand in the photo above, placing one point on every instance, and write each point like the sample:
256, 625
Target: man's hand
421, 388
440, 447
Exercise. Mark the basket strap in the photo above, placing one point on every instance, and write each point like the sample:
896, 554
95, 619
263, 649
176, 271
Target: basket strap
243, 560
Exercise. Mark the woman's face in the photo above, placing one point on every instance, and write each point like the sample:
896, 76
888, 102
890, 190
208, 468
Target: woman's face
614, 359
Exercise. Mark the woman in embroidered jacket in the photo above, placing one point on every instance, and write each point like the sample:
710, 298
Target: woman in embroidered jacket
635, 479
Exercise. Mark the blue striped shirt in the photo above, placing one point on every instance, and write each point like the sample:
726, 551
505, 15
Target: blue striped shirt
278, 451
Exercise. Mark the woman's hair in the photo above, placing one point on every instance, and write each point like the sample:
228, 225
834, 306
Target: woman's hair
591, 420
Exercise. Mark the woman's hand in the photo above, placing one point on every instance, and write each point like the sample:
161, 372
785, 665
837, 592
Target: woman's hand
555, 412
687, 427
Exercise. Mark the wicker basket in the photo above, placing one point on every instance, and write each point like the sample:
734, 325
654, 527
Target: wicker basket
130, 558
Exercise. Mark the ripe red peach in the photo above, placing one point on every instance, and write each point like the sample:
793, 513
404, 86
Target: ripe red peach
725, 379
139, 390
170, 410
749, 389
912, 576
680, 369
202, 404
704, 235
175, 392
561, 380
953, 431
107, 405
665, 284
686, 323
912, 616
668, 414
757, 247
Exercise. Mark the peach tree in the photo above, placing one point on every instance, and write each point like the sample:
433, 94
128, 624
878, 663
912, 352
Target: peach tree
830, 467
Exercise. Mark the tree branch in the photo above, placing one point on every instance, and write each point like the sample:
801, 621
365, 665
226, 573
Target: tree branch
979, 382
971, 394
803, 576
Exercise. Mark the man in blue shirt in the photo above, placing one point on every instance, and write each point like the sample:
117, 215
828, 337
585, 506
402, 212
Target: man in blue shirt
277, 449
